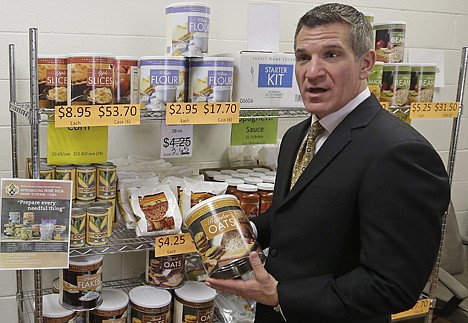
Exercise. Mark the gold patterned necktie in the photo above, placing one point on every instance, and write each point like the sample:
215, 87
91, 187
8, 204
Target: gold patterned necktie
306, 152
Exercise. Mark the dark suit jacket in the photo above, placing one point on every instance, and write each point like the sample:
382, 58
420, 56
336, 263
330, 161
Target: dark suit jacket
356, 238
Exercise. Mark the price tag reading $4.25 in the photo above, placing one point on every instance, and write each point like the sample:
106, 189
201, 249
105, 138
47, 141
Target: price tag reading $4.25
174, 244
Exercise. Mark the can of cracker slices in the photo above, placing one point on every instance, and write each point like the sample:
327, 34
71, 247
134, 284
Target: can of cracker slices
90, 79
187, 29
162, 80
126, 79
211, 79
52, 78
165, 272
223, 236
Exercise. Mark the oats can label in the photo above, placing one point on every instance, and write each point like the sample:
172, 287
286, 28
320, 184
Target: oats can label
211, 79
52, 78
162, 80
187, 29
223, 236
165, 272
422, 82
396, 80
90, 79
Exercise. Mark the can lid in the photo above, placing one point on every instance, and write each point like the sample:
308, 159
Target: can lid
221, 177
209, 201
253, 180
227, 171
113, 299
196, 292
234, 181
379, 63
147, 296
245, 170
239, 175
268, 179
270, 173
165, 58
255, 174
51, 307
127, 58
212, 173
247, 187
86, 260
260, 170
184, 4
266, 186
105, 55
51, 56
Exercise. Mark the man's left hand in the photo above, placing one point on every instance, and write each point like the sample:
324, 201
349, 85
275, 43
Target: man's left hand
261, 288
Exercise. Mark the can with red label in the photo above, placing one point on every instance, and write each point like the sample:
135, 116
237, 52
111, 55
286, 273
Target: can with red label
52, 78
90, 79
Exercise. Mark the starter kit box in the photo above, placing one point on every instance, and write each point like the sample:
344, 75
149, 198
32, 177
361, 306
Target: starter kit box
265, 80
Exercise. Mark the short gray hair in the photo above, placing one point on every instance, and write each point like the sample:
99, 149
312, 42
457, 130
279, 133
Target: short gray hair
361, 34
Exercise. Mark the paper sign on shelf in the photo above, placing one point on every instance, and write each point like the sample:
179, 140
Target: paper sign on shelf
255, 131
76, 145
176, 140
36, 217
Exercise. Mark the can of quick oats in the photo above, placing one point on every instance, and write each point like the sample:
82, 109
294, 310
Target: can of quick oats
223, 236
187, 29
90, 79
211, 79
165, 272
52, 78
390, 41
162, 80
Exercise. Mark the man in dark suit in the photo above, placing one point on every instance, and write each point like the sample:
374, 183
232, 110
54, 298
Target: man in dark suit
354, 237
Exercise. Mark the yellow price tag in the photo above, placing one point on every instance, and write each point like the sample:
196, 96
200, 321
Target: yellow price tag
421, 307
434, 110
385, 105
202, 113
97, 115
174, 244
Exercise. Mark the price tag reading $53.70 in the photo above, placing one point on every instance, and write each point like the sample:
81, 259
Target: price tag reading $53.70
202, 112
174, 244
97, 115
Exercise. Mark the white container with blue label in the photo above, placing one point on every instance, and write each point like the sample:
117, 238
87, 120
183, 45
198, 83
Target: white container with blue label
162, 80
211, 79
187, 29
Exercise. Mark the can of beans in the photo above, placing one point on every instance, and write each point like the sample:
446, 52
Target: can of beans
187, 29
52, 78
85, 182
90, 79
194, 302
223, 236
211, 79
81, 284
422, 82
396, 79
390, 41
126, 79
149, 304
96, 230
78, 227
162, 80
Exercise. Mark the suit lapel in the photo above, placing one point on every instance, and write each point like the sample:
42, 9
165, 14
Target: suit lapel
335, 143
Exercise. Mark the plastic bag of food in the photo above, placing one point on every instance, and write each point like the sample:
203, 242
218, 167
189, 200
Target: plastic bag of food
195, 191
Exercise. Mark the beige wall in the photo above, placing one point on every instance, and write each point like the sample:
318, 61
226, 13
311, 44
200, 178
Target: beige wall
125, 27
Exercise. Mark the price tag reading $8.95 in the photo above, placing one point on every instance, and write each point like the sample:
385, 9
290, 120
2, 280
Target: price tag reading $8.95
97, 115
174, 244
202, 113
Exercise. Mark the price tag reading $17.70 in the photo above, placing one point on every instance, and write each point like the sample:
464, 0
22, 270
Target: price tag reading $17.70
97, 115
174, 244
202, 113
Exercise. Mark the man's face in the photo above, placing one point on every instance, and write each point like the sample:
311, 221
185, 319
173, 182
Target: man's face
327, 71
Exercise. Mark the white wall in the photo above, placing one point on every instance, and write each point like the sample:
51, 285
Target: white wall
125, 27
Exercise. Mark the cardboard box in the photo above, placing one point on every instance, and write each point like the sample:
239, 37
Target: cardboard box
265, 80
